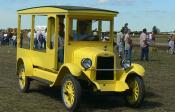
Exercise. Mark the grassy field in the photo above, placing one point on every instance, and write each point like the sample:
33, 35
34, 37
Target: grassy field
159, 38
159, 81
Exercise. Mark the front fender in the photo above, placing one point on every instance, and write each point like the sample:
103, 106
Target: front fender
68, 68
135, 69
74, 69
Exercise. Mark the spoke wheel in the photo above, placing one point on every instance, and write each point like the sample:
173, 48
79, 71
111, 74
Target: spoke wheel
24, 82
71, 92
135, 95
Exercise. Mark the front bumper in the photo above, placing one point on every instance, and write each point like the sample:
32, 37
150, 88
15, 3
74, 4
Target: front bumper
111, 86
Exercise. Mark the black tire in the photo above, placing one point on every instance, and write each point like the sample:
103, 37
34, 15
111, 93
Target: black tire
139, 98
65, 94
24, 81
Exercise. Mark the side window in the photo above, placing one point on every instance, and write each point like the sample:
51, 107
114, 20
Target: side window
95, 28
51, 30
105, 30
89, 30
40, 33
81, 30
74, 24
73, 29
25, 31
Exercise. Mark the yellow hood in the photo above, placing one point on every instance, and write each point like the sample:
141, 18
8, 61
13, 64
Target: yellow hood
91, 53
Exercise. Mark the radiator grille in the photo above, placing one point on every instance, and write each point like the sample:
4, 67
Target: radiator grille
105, 63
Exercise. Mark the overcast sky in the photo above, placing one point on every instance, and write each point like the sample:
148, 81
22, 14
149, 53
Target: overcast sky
138, 13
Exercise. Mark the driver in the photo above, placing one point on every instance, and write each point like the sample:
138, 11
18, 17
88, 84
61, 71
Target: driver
83, 31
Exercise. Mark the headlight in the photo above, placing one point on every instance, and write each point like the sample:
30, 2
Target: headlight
126, 63
86, 63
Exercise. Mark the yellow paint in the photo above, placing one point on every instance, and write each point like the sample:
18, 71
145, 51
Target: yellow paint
69, 93
44, 74
135, 69
43, 10
44, 65
116, 86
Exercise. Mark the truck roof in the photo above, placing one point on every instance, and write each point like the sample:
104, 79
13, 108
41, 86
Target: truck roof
64, 9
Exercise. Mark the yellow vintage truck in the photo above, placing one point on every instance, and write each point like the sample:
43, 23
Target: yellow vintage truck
78, 54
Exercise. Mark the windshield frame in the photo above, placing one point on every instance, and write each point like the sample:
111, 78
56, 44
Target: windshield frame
98, 18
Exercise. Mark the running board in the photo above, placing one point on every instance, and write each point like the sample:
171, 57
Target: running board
45, 75
43, 81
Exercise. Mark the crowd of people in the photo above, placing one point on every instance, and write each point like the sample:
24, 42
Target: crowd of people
8, 37
39, 39
124, 43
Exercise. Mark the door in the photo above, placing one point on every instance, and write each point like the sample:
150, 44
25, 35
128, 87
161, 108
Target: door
44, 51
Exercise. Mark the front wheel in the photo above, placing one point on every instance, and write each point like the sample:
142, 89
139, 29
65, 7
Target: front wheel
70, 92
135, 95
24, 82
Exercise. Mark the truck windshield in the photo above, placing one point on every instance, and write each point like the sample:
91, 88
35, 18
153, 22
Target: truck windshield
90, 30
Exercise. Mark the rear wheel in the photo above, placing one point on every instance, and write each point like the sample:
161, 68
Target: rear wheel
71, 92
135, 95
24, 82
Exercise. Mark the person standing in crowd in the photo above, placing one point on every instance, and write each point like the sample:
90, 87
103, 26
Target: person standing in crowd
125, 31
169, 47
150, 41
125, 28
144, 45
40, 39
153, 40
9, 36
45, 38
1, 37
128, 45
171, 44
153, 37
119, 42
35, 40
5, 39
14, 39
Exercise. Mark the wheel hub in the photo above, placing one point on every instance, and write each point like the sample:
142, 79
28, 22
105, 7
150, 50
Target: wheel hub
133, 91
22, 78
68, 95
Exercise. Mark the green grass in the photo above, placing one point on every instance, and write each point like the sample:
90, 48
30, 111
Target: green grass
159, 38
159, 82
